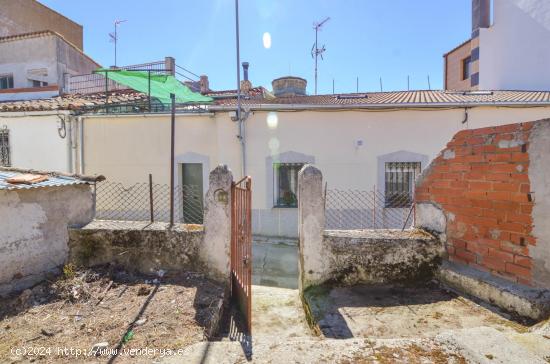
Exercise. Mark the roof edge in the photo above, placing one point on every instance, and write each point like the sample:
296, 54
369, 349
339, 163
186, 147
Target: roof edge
85, 178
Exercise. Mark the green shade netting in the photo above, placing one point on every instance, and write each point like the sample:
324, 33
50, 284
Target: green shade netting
161, 86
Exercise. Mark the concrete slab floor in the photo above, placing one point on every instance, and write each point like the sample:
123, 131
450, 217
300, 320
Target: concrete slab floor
275, 264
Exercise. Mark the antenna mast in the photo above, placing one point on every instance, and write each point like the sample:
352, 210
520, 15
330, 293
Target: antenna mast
114, 36
315, 50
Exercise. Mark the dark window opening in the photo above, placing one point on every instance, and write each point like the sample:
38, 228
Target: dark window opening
399, 183
286, 184
6, 82
466, 68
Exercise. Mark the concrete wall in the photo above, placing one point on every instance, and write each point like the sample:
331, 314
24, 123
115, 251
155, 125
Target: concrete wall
514, 51
34, 235
36, 140
357, 256
44, 58
491, 185
25, 16
127, 148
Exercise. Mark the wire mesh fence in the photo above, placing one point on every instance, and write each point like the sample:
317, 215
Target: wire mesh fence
357, 209
148, 202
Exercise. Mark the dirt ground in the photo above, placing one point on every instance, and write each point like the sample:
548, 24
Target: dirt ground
89, 315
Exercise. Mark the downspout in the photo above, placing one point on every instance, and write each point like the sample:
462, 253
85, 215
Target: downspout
241, 135
81, 144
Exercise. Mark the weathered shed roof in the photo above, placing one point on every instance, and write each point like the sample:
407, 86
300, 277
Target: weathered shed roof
55, 179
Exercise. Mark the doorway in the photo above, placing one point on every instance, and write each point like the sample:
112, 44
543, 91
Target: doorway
192, 193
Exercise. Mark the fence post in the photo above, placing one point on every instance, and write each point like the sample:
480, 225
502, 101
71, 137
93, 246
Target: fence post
374, 207
151, 197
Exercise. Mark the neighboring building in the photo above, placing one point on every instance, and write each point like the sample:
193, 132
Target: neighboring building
35, 218
36, 65
39, 50
357, 140
29, 16
509, 48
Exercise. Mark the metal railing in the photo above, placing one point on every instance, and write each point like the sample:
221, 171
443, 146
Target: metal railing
357, 209
96, 82
148, 202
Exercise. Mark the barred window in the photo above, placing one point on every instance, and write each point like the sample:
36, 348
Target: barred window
286, 184
5, 147
400, 178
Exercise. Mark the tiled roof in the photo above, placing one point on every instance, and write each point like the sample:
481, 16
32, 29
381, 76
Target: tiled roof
54, 179
433, 98
72, 102
261, 98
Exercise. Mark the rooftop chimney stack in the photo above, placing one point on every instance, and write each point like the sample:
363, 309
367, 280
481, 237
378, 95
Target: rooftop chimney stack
246, 85
204, 84
245, 70
481, 14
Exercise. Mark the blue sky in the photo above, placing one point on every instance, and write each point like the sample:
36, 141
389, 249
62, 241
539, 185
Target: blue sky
366, 39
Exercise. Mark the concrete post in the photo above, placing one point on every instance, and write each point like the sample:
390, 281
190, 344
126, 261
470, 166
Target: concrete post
216, 250
313, 258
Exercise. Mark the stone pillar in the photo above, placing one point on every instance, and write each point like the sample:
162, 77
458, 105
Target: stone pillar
216, 250
170, 64
311, 213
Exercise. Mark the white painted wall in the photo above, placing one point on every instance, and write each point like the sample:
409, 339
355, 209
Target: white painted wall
515, 51
34, 235
127, 148
35, 142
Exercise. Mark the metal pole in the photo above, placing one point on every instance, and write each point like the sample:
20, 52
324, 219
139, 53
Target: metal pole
106, 92
151, 197
239, 116
172, 143
116, 38
316, 53
149, 88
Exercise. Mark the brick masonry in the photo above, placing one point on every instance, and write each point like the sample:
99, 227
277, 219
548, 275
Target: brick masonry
481, 182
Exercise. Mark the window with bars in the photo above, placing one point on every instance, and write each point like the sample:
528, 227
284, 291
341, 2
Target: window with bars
5, 147
399, 183
285, 184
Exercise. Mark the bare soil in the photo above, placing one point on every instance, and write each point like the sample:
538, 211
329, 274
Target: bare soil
62, 319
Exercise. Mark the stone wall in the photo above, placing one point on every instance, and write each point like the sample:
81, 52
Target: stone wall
357, 256
487, 194
33, 237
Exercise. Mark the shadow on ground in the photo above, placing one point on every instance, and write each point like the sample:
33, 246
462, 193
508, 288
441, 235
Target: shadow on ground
395, 311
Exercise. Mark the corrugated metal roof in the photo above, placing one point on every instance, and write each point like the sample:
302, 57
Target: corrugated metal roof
53, 181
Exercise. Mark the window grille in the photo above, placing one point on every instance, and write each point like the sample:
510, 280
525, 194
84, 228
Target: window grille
399, 183
5, 160
285, 184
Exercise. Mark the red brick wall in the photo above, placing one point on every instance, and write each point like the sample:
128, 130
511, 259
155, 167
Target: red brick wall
481, 182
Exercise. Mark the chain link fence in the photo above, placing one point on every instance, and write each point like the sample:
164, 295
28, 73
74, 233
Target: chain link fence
148, 202
356, 209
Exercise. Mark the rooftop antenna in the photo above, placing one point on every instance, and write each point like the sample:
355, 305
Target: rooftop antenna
114, 36
408, 83
429, 84
357, 85
333, 86
381, 88
315, 50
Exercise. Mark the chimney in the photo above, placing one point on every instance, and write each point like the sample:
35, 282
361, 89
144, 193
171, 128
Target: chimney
481, 14
203, 82
170, 65
245, 71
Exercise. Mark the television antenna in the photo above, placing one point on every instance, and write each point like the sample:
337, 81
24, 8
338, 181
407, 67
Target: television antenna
315, 50
114, 36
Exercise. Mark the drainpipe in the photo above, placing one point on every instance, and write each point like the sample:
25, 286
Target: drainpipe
69, 145
81, 144
239, 117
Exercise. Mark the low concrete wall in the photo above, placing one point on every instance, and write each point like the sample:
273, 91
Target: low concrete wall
33, 237
357, 256
138, 246
381, 256
149, 247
